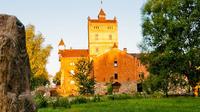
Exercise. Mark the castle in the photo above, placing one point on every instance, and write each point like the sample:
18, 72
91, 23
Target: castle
108, 61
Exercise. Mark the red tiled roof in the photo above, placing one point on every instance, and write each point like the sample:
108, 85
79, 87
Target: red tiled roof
74, 53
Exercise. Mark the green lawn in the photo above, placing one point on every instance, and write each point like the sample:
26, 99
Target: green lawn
180, 104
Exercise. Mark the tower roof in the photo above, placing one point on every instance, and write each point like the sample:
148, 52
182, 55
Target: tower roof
115, 45
102, 12
61, 43
102, 15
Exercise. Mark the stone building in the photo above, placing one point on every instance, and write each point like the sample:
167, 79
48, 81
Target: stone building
111, 65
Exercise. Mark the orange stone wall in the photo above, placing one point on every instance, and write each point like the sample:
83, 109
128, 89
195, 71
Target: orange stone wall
128, 67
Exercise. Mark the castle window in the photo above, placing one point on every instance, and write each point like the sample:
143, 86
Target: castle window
115, 64
96, 37
97, 49
110, 37
141, 75
116, 76
72, 64
72, 72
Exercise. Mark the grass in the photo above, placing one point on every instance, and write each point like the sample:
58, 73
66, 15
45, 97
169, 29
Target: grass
180, 104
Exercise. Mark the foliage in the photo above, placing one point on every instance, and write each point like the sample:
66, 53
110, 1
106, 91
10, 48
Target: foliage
171, 43
57, 77
60, 102
119, 97
83, 76
96, 98
38, 55
40, 101
163, 83
110, 89
80, 100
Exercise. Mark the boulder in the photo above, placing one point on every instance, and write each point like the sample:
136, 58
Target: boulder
14, 67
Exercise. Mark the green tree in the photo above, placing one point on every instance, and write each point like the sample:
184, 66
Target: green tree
57, 77
84, 77
38, 55
171, 43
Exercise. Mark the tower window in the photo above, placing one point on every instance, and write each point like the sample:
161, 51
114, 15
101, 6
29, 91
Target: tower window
97, 49
115, 64
116, 76
141, 75
96, 37
110, 37
72, 72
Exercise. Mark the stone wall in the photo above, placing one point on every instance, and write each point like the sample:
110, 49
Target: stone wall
14, 67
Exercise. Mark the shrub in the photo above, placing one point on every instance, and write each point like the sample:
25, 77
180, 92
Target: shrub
40, 101
119, 96
60, 102
79, 100
110, 89
96, 98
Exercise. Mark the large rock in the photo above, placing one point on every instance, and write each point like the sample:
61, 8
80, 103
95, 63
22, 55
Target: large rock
14, 67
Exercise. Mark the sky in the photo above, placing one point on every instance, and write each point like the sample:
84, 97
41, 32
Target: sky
67, 19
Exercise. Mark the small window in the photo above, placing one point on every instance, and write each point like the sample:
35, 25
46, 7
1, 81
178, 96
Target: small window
115, 64
110, 37
96, 37
97, 49
72, 64
116, 76
72, 72
141, 75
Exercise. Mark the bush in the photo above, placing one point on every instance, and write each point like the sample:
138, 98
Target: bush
59, 102
40, 101
79, 100
109, 89
119, 97
96, 98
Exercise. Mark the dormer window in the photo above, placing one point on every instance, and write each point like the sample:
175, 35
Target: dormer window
115, 63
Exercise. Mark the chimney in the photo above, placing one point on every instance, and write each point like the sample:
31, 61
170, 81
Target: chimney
125, 50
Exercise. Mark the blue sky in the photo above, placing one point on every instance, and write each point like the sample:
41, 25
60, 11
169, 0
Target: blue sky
67, 19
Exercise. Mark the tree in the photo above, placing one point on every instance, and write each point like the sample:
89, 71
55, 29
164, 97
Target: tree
83, 76
38, 55
57, 77
171, 43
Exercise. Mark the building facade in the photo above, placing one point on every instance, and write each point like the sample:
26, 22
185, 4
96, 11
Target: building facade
111, 65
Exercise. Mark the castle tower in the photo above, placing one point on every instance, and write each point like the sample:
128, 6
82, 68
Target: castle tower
102, 34
61, 45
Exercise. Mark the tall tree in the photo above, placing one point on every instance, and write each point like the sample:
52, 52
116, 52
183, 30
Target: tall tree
38, 55
171, 43
83, 76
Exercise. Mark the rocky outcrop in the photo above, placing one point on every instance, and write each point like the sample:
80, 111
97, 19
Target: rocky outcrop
14, 67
